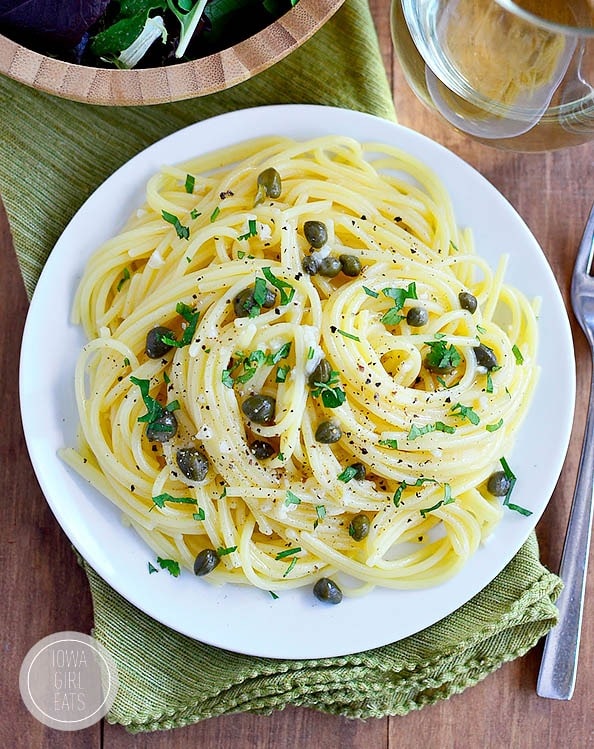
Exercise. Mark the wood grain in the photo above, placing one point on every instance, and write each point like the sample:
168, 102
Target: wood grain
44, 591
185, 80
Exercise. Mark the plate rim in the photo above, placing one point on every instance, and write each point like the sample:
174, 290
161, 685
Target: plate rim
285, 112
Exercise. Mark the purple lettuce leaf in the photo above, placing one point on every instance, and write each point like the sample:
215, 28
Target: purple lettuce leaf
59, 22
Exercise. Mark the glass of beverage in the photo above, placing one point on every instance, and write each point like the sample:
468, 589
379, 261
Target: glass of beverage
516, 75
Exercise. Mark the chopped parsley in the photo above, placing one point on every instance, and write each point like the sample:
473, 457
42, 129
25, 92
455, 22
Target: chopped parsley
404, 484
287, 292
518, 354
191, 316
182, 231
252, 230
438, 426
391, 443
222, 551
370, 292
292, 499
152, 568
190, 183
154, 410
214, 214
125, 277
332, 394
288, 552
447, 499
161, 499
320, 513
494, 427
200, 515
348, 474
290, 567
466, 412
512, 482
347, 335
399, 297
442, 355
170, 565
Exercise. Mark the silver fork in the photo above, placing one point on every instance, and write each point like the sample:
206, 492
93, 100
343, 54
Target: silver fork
558, 667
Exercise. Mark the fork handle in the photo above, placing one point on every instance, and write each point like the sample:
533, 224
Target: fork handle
556, 678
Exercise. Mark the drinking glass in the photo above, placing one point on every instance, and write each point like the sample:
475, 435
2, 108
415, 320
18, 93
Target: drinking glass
516, 75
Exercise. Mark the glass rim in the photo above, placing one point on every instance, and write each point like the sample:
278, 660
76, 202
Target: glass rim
559, 28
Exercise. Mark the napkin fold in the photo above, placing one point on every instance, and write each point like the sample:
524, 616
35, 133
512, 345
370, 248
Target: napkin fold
167, 680
53, 154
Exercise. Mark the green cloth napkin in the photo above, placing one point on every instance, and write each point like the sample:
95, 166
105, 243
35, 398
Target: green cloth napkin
53, 154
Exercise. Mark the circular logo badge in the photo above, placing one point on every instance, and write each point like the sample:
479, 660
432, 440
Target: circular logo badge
68, 681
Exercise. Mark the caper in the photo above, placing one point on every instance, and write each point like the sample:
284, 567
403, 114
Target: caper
416, 317
310, 264
485, 357
155, 347
205, 562
322, 373
360, 471
351, 265
468, 301
261, 449
244, 303
330, 266
192, 463
359, 527
163, 428
327, 590
498, 484
315, 233
328, 432
259, 408
269, 185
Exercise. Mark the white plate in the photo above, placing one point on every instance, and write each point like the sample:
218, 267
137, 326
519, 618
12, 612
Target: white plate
235, 617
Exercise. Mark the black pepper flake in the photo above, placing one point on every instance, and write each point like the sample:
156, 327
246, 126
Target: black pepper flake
132, 487
397, 219
225, 194
333, 328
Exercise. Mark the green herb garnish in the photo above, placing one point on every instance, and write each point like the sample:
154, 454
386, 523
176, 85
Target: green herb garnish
182, 231
438, 426
191, 316
399, 297
512, 482
332, 394
125, 277
442, 355
518, 354
288, 552
222, 551
252, 230
292, 499
161, 499
190, 183
466, 412
170, 565
154, 410
287, 292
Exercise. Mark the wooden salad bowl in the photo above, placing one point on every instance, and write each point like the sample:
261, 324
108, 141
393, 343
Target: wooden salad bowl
140, 86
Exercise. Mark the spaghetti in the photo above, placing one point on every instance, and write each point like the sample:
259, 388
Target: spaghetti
298, 368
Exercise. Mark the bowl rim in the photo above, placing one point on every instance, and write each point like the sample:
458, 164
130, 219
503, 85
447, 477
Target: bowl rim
158, 85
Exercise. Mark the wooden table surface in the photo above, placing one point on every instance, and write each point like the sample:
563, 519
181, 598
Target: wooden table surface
44, 590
